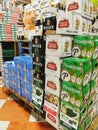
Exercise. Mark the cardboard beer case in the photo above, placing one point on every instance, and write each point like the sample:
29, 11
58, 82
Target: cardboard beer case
58, 45
53, 66
52, 85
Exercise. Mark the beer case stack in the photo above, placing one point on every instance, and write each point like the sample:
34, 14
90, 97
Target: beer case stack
1, 56
17, 76
38, 70
57, 47
24, 77
8, 25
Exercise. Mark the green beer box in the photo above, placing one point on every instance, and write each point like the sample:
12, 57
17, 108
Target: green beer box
95, 54
71, 94
90, 102
60, 127
94, 69
93, 86
88, 120
77, 71
83, 46
71, 117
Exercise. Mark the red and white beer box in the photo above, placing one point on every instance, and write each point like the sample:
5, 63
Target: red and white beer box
64, 23
52, 85
51, 103
53, 66
52, 120
78, 6
58, 45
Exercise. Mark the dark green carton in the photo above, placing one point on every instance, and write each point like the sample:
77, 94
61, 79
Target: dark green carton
76, 70
71, 117
94, 69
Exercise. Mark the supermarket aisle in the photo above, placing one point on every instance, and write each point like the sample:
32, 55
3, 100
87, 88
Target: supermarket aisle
13, 116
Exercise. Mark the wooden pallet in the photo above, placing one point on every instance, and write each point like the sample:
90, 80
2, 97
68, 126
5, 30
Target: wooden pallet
25, 102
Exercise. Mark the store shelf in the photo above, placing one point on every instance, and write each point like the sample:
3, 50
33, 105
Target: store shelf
24, 41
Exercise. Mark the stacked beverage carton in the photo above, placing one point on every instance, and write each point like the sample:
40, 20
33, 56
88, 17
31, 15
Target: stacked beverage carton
1, 56
17, 76
78, 91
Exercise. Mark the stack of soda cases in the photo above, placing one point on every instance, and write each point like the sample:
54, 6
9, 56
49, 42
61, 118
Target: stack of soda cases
1, 56
23, 71
8, 32
78, 88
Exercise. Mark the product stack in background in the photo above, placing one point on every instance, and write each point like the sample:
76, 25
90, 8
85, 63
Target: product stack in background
8, 24
8, 51
1, 56
17, 76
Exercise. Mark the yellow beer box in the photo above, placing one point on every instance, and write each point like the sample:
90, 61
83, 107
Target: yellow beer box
84, 25
90, 10
89, 26
77, 23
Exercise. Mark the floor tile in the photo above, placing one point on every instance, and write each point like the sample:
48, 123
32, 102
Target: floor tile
12, 111
29, 126
2, 103
4, 125
3, 95
32, 117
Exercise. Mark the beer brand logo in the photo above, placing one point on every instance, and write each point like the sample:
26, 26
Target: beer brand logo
95, 55
48, 22
76, 51
51, 66
53, 45
51, 85
51, 118
65, 75
63, 24
73, 6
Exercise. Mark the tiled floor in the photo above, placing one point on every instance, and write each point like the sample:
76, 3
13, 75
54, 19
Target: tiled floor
14, 116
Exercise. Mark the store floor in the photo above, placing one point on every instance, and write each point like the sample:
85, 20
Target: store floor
14, 116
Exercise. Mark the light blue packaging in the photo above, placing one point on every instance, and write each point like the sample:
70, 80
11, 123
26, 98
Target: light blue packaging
29, 63
16, 80
23, 75
25, 62
17, 61
17, 90
17, 72
29, 77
